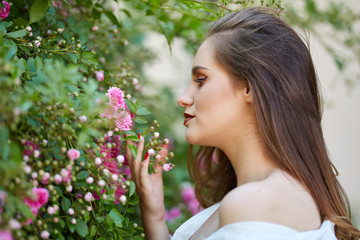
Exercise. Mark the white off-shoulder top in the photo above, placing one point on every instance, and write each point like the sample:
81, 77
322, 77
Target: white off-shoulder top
252, 230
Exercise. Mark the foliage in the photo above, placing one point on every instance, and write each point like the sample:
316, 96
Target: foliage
57, 59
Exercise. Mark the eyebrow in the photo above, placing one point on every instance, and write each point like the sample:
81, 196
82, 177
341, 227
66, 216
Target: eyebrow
197, 68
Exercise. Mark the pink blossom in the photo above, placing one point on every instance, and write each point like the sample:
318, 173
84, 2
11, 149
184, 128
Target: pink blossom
172, 214
66, 175
122, 199
73, 154
88, 197
5, 235
167, 167
100, 75
82, 118
151, 152
98, 161
187, 194
4, 12
45, 235
116, 97
118, 193
58, 179
45, 178
39, 198
14, 224
73, 221
109, 112
194, 206
120, 159
90, 180
71, 211
51, 210
95, 28
123, 121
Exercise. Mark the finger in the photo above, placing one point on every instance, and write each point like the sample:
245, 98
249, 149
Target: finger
144, 171
163, 153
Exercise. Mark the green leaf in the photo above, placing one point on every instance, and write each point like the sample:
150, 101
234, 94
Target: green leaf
116, 217
17, 34
132, 138
133, 150
130, 105
112, 18
143, 111
12, 49
134, 201
140, 120
65, 204
83, 174
100, 219
38, 10
132, 188
92, 231
81, 227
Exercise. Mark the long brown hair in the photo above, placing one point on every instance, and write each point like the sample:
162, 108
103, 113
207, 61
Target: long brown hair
255, 46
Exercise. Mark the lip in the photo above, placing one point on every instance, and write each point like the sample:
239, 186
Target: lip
188, 117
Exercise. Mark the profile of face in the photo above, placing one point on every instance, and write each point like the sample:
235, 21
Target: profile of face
216, 110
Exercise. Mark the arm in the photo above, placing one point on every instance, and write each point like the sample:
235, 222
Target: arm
149, 188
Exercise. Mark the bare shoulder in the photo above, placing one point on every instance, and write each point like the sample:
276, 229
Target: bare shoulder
276, 200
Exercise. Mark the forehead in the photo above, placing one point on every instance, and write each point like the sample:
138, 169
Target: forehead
205, 55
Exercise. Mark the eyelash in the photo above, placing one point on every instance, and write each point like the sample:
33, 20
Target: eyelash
201, 80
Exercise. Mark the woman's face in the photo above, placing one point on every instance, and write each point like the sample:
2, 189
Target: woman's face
215, 110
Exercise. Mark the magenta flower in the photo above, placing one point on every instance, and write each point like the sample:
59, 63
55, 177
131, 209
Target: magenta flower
116, 97
172, 214
118, 193
66, 175
167, 167
100, 75
40, 197
123, 121
109, 112
73, 154
4, 12
5, 235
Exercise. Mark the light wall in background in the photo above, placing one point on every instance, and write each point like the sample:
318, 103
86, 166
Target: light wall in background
341, 118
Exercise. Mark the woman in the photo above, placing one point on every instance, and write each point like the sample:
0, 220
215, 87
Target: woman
253, 105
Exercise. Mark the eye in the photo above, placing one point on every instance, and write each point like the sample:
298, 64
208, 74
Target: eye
200, 80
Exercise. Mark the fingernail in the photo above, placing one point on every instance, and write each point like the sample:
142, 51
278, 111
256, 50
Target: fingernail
139, 136
146, 155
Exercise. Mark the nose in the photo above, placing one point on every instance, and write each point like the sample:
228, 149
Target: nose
185, 99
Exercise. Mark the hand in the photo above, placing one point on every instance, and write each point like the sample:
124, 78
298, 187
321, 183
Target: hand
149, 187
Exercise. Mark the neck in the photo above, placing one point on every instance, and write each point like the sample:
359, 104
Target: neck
248, 159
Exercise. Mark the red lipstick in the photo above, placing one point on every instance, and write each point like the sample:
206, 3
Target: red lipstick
188, 117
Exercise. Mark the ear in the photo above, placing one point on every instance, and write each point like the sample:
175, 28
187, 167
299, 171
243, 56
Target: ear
247, 93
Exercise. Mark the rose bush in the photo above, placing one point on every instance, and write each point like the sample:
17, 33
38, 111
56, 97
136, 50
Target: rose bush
69, 99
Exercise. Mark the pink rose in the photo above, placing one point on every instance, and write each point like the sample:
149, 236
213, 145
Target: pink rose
123, 121
187, 194
57, 178
40, 197
167, 167
73, 154
116, 97
5, 235
66, 175
4, 12
100, 75
109, 112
